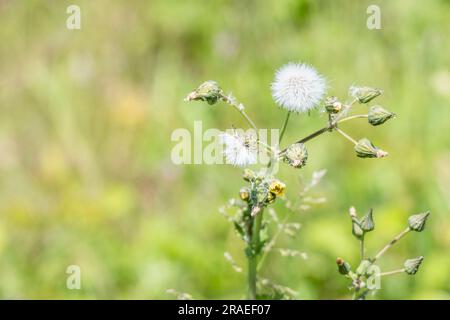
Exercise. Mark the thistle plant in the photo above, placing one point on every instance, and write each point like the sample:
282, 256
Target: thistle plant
367, 276
297, 88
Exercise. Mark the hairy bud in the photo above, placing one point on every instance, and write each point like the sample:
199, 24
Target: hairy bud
364, 94
412, 265
417, 221
332, 105
343, 267
378, 115
365, 149
367, 224
208, 91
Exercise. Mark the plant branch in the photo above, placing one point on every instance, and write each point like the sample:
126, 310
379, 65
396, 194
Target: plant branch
253, 256
312, 135
361, 241
391, 243
392, 272
356, 116
283, 129
346, 135
240, 108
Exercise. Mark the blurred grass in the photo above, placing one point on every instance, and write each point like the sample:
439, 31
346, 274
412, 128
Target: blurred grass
85, 169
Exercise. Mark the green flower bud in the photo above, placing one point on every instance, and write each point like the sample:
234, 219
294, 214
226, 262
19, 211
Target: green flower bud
208, 91
271, 197
261, 193
364, 94
417, 221
362, 268
378, 115
367, 223
296, 155
412, 265
357, 231
365, 149
244, 193
248, 175
332, 105
343, 267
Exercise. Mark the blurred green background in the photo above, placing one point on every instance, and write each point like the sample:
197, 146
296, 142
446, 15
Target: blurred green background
86, 176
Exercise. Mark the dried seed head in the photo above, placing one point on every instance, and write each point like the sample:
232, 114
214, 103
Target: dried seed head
343, 267
417, 221
244, 193
296, 155
367, 224
208, 91
277, 187
298, 87
365, 149
364, 94
412, 265
240, 149
332, 105
378, 115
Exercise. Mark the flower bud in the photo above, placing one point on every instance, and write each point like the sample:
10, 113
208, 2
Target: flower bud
412, 265
356, 229
364, 94
343, 267
296, 155
332, 105
261, 193
417, 221
208, 91
367, 223
244, 193
378, 115
248, 175
365, 149
277, 187
271, 197
362, 268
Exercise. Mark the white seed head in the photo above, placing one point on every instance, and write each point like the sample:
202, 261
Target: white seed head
239, 149
298, 87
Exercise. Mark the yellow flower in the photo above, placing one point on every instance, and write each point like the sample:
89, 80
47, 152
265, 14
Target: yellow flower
277, 187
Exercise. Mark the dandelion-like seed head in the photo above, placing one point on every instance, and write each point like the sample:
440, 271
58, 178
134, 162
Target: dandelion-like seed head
298, 87
239, 149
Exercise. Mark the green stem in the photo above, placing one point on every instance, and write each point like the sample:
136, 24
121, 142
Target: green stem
253, 256
240, 108
346, 136
252, 278
362, 247
392, 272
311, 136
283, 129
356, 116
391, 243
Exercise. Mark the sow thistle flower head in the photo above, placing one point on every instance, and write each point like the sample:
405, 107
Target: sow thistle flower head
298, 87
240, 149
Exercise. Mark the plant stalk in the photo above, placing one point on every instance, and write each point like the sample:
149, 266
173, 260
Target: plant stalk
253, 256
283, 129
391, 243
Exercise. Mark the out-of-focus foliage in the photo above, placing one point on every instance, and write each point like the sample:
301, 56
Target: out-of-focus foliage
86, 176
